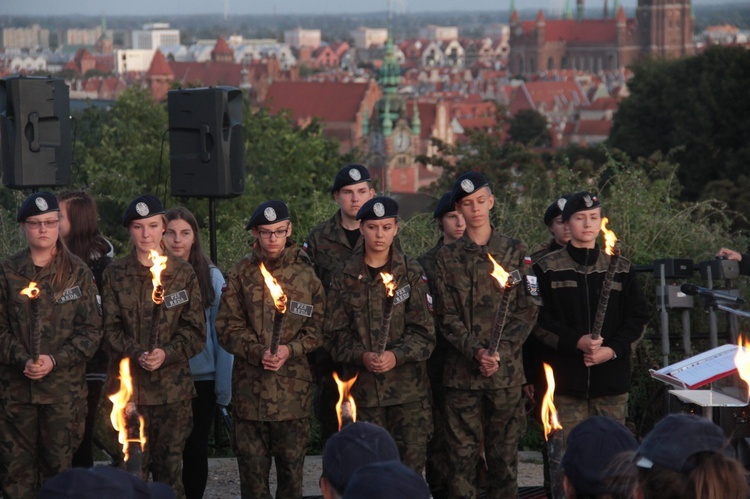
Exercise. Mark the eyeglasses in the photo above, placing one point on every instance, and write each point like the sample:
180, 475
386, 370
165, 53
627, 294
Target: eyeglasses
38, 224
266, 234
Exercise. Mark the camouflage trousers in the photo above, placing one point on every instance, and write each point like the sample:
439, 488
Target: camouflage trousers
409, 424
37, 441
495, 417
572, 410
256, 442
437, 469
167, 429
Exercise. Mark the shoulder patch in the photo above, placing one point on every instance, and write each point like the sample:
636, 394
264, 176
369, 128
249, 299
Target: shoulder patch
305, 246
424, 279
532, 286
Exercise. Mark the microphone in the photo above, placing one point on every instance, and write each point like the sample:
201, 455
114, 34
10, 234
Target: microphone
693, 290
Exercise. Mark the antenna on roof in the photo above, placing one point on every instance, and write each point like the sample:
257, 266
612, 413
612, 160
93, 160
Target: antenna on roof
226, 10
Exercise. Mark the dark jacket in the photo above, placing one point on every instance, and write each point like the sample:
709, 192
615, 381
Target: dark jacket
570, 283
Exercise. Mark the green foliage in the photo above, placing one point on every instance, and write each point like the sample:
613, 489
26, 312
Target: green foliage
697, 110
529, 127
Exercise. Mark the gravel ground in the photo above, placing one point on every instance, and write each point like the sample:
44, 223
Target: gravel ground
224, 482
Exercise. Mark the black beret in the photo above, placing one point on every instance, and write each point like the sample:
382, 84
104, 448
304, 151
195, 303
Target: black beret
144, 206
581, 201
269, 212
36, 204
444, 206
466, 184
390, 479
555, 209
378, 208
350, 175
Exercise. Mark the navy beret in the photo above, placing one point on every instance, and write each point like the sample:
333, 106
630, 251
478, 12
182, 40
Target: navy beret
356, 445
582, 201
467, 184
36, 204
444, 206
390, 479
555, 209
378, 208
144, 206
592, 445
267, 213
350, 175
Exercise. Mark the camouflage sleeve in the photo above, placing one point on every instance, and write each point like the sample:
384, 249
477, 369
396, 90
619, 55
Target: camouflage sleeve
189, 337
87, 323
116, 342
12, 351
310, 337
418, 340
233, 326
449, 306
340, 337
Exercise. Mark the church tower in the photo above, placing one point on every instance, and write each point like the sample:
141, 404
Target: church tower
665, 28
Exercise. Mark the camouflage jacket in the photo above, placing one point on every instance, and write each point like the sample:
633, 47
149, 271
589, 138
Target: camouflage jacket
353, 315
127, 326
467, 299
244, 326
70, 323
329, 248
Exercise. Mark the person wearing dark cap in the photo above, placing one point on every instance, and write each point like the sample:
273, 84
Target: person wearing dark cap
687, 456
43, 389
329, 244
451, 226
483, 401
102, 482
592, 375
357, 444
163, 386
387, 480
588, 461
392, 388
272, 390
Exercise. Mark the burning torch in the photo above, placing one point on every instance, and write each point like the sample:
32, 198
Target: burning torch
385, 320
612, 249
553, 434
127, 422
157, 296
36, 331
279, 301
346, 409
506, 284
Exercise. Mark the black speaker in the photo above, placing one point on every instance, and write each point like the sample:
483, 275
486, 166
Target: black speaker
205, 142
35, 132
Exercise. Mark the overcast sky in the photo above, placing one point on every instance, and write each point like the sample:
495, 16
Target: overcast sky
157, 7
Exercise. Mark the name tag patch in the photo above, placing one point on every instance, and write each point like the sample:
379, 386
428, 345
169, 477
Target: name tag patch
402, 294
303, 309
175, 299
516, 276
532, 286
70, 294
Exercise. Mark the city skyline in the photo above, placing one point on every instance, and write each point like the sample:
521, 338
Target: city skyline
286, 7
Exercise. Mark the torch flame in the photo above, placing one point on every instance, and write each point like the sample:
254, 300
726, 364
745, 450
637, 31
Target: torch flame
160, 263
279, 298
32, 291
390, 284
120, 402
549, 413
498, 272
344, 396
742, 359
610, 239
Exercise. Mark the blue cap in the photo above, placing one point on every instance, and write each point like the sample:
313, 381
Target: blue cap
378, 208
37, 204
350, 175
444, 206
267, 213
581, 201
388, 480
555, 209
467, 184
144, 206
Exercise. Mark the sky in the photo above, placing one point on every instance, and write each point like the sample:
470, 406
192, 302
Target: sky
188, 7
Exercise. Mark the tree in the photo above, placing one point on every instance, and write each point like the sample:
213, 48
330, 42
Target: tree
529, 127
695, 110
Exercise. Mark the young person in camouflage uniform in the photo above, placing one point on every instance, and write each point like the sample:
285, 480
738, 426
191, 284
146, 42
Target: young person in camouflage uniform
162, 385
329, 245
43, 402
592, 376
482, 392
392, 388
272, 393
451, 225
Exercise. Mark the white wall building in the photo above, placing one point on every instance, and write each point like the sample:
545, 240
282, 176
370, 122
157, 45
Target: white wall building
441, 33
298, 37
154, 35
33, 37
364, 38
133, 60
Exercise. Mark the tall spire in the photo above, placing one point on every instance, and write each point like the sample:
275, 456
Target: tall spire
568, 13
416, 123
579, 10
512, 6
